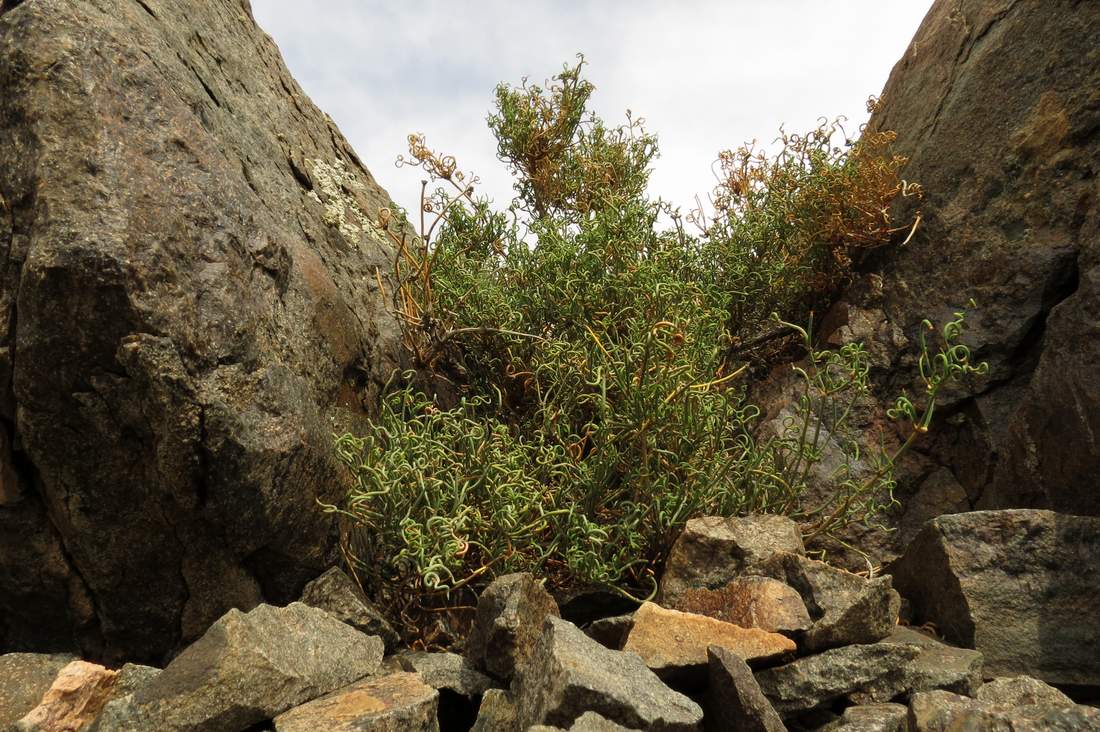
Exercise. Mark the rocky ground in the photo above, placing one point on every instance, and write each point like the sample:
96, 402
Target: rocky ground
746, 633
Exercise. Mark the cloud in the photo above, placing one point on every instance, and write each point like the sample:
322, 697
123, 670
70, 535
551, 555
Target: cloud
705, 75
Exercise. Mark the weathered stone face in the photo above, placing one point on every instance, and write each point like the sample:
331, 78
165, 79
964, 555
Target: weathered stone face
1021, 586
997, 105
189, 303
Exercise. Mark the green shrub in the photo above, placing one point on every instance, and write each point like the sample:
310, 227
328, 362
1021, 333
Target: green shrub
600, 356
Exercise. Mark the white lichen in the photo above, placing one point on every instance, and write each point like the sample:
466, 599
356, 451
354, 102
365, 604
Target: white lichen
333, 184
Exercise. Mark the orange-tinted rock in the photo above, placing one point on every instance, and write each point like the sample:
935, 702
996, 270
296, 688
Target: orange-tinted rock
675, 643
398, 702
750, 602
74, 700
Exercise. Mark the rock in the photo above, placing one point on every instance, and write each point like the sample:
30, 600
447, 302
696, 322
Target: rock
188, 305
1007, 219
674, 644
460, 685
610, 632
131, 677
337, 594
74, 700
587, 722
24, 679
399, 702
939, 711
497, 713
751, 602
568, 674
713, 550
814, 681
248, 667
845, 607
1021, 586
446, 671
936, 666
734, 699
870, 616
872, 718
1021, 691
510, 614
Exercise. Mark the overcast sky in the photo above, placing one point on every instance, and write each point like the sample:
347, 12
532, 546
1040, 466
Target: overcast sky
706, 76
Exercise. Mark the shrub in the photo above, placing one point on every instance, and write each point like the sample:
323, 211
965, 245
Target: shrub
598, 356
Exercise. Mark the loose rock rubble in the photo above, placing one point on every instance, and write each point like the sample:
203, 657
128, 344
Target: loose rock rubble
817, 648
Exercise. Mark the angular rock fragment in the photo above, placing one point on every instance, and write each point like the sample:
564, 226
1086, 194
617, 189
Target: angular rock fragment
131, 677
846, 608
1021, 586
399, 702
587, 722
24, 678
497, 713
674, 644
813, 681
734, 699
446, 671
568, 674
750, 602
713, 550
510, 615
940, 711
337, 594
1021, 691
936, 666
460, 685
872, 718
610, 632
73, 701
248, 667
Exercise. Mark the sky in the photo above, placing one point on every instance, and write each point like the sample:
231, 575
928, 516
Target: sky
706, 76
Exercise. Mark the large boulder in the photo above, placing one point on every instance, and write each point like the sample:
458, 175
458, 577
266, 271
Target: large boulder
1021, 586
996, 103
189, 304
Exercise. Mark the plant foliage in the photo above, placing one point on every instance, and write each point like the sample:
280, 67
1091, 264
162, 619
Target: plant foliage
601, 357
